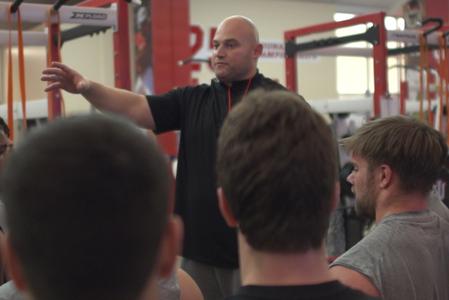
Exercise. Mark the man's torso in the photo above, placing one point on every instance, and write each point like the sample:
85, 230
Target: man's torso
198, 113
405, 257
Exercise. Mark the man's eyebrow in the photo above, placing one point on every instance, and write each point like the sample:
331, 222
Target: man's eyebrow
226, 40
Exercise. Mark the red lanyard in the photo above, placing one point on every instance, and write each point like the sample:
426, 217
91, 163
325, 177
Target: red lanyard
244, 94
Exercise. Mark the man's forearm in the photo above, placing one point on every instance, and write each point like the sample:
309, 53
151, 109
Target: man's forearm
131, 105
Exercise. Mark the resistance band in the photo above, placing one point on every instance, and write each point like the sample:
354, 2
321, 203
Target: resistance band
21, 70
9, 103
54, 54
444, 78
424, 66
10, 93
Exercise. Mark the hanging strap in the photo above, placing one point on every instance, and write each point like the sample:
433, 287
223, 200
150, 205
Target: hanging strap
442, 79
21, 70
424, 67
53, 96
422, 63
446, 68
10, 92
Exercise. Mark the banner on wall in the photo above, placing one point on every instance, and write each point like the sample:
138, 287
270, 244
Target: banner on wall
143, 62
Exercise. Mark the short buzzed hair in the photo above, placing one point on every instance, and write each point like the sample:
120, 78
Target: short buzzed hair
248, 21
86, 201
414, 150
277, 165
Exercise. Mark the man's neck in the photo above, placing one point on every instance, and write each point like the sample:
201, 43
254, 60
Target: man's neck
400, 203
249, 76
263, 268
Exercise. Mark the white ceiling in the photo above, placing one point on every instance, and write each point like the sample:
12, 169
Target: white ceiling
386, 5
390, 6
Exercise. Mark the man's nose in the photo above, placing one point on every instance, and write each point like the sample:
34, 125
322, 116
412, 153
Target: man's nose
219, 51
350, 178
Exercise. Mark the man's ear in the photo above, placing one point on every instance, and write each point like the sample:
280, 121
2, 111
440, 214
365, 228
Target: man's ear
385, 176
258, 50
225, 210
12, 263
170, 246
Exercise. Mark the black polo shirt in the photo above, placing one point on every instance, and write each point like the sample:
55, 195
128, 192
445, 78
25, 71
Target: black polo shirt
332, 290
198, 112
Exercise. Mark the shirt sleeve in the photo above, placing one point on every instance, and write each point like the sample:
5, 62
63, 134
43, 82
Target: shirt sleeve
167, 110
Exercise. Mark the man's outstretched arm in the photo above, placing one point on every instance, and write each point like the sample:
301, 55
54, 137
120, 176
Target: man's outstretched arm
131, 105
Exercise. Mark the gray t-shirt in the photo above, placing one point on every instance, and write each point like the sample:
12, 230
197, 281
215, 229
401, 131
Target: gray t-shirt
406, 257
8, 291
168, 290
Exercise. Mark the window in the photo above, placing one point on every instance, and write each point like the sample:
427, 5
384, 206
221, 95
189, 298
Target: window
355, 74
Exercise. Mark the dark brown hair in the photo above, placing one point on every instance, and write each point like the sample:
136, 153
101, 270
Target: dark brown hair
86, 200
277, 166
413, 150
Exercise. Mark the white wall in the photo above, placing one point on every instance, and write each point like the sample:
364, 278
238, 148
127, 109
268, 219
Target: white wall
316, 77
35, 61
91, 56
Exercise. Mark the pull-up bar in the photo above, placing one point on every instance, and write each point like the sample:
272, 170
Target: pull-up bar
17, 3
80, 31
38, 13
371, 35
58, 4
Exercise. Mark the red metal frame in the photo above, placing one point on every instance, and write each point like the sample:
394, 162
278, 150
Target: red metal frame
379, 53
122, 68
54, 32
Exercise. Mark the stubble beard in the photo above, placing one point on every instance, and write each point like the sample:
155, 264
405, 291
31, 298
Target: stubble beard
365, 205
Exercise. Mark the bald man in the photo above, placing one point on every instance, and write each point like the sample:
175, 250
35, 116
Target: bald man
210, 247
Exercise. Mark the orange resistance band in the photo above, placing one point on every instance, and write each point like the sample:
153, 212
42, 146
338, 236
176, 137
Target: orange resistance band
444, 79
424, 66
244, 94
50, 57
446, 68
442, 84
22, 70
10, 95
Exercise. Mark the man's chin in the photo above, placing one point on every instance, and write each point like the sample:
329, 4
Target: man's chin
364, 212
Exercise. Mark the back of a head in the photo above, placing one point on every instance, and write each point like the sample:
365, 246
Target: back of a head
277, 166
415, 151
86, 200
